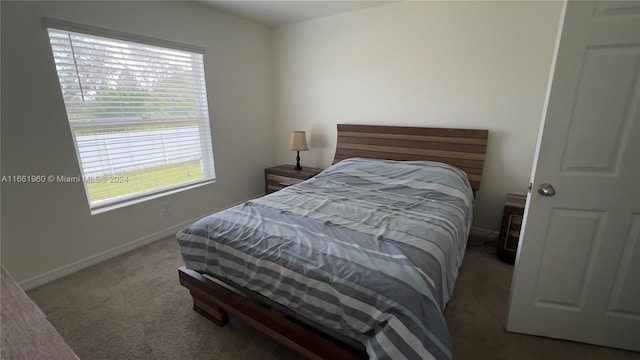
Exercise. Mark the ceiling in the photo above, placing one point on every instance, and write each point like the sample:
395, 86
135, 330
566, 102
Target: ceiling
278, 12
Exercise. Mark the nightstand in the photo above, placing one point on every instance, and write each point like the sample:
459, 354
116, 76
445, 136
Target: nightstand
510, 229
279, 177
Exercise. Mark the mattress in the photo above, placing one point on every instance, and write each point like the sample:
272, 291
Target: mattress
368, 248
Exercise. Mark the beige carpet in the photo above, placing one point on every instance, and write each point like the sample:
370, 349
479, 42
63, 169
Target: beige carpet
132, 307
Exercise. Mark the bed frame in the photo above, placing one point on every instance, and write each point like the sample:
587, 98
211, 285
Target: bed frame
215, 300
462, 148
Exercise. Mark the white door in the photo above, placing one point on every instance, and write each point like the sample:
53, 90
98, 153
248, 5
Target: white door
577, 273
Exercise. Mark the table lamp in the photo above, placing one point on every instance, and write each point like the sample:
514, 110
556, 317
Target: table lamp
298, 143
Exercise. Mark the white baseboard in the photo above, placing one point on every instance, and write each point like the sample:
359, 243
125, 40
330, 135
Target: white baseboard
479, 232
68, 269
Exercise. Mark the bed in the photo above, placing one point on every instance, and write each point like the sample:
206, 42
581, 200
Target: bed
357, 262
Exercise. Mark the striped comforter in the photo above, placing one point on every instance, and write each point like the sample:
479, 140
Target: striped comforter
368, 248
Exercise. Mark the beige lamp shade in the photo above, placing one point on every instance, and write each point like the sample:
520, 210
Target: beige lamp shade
298, 141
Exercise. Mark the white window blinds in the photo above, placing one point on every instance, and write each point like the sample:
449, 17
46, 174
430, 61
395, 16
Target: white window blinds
138, 114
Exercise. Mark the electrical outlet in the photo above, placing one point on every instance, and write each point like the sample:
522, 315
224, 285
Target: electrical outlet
167, 209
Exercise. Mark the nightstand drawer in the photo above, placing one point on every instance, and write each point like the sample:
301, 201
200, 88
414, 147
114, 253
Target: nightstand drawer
512, 237
279, 177
277, 182
509, 237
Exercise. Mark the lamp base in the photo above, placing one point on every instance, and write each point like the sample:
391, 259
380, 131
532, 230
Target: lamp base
298, 167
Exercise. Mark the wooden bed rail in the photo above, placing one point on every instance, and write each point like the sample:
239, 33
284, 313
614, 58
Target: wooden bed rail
215, 301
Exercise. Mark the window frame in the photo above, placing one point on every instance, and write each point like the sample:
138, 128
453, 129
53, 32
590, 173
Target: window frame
99, 206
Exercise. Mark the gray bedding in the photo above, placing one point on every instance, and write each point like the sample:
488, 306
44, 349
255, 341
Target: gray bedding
367, 248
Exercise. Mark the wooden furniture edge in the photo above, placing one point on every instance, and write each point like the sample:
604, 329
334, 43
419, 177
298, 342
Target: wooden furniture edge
215, 301
288, 171
26, 332
512, 214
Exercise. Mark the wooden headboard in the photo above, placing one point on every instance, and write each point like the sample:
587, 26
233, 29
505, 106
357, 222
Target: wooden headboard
462, 148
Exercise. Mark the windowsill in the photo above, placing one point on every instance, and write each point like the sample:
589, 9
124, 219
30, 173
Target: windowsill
126, 203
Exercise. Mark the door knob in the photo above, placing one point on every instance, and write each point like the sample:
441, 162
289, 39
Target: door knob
546, 190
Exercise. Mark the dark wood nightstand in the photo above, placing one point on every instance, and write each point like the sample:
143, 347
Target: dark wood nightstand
279, 177
511, 224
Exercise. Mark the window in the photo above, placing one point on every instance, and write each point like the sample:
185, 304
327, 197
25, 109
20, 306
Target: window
137, 112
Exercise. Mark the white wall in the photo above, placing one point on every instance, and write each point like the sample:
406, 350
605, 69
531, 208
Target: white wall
441, 64
47, 229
